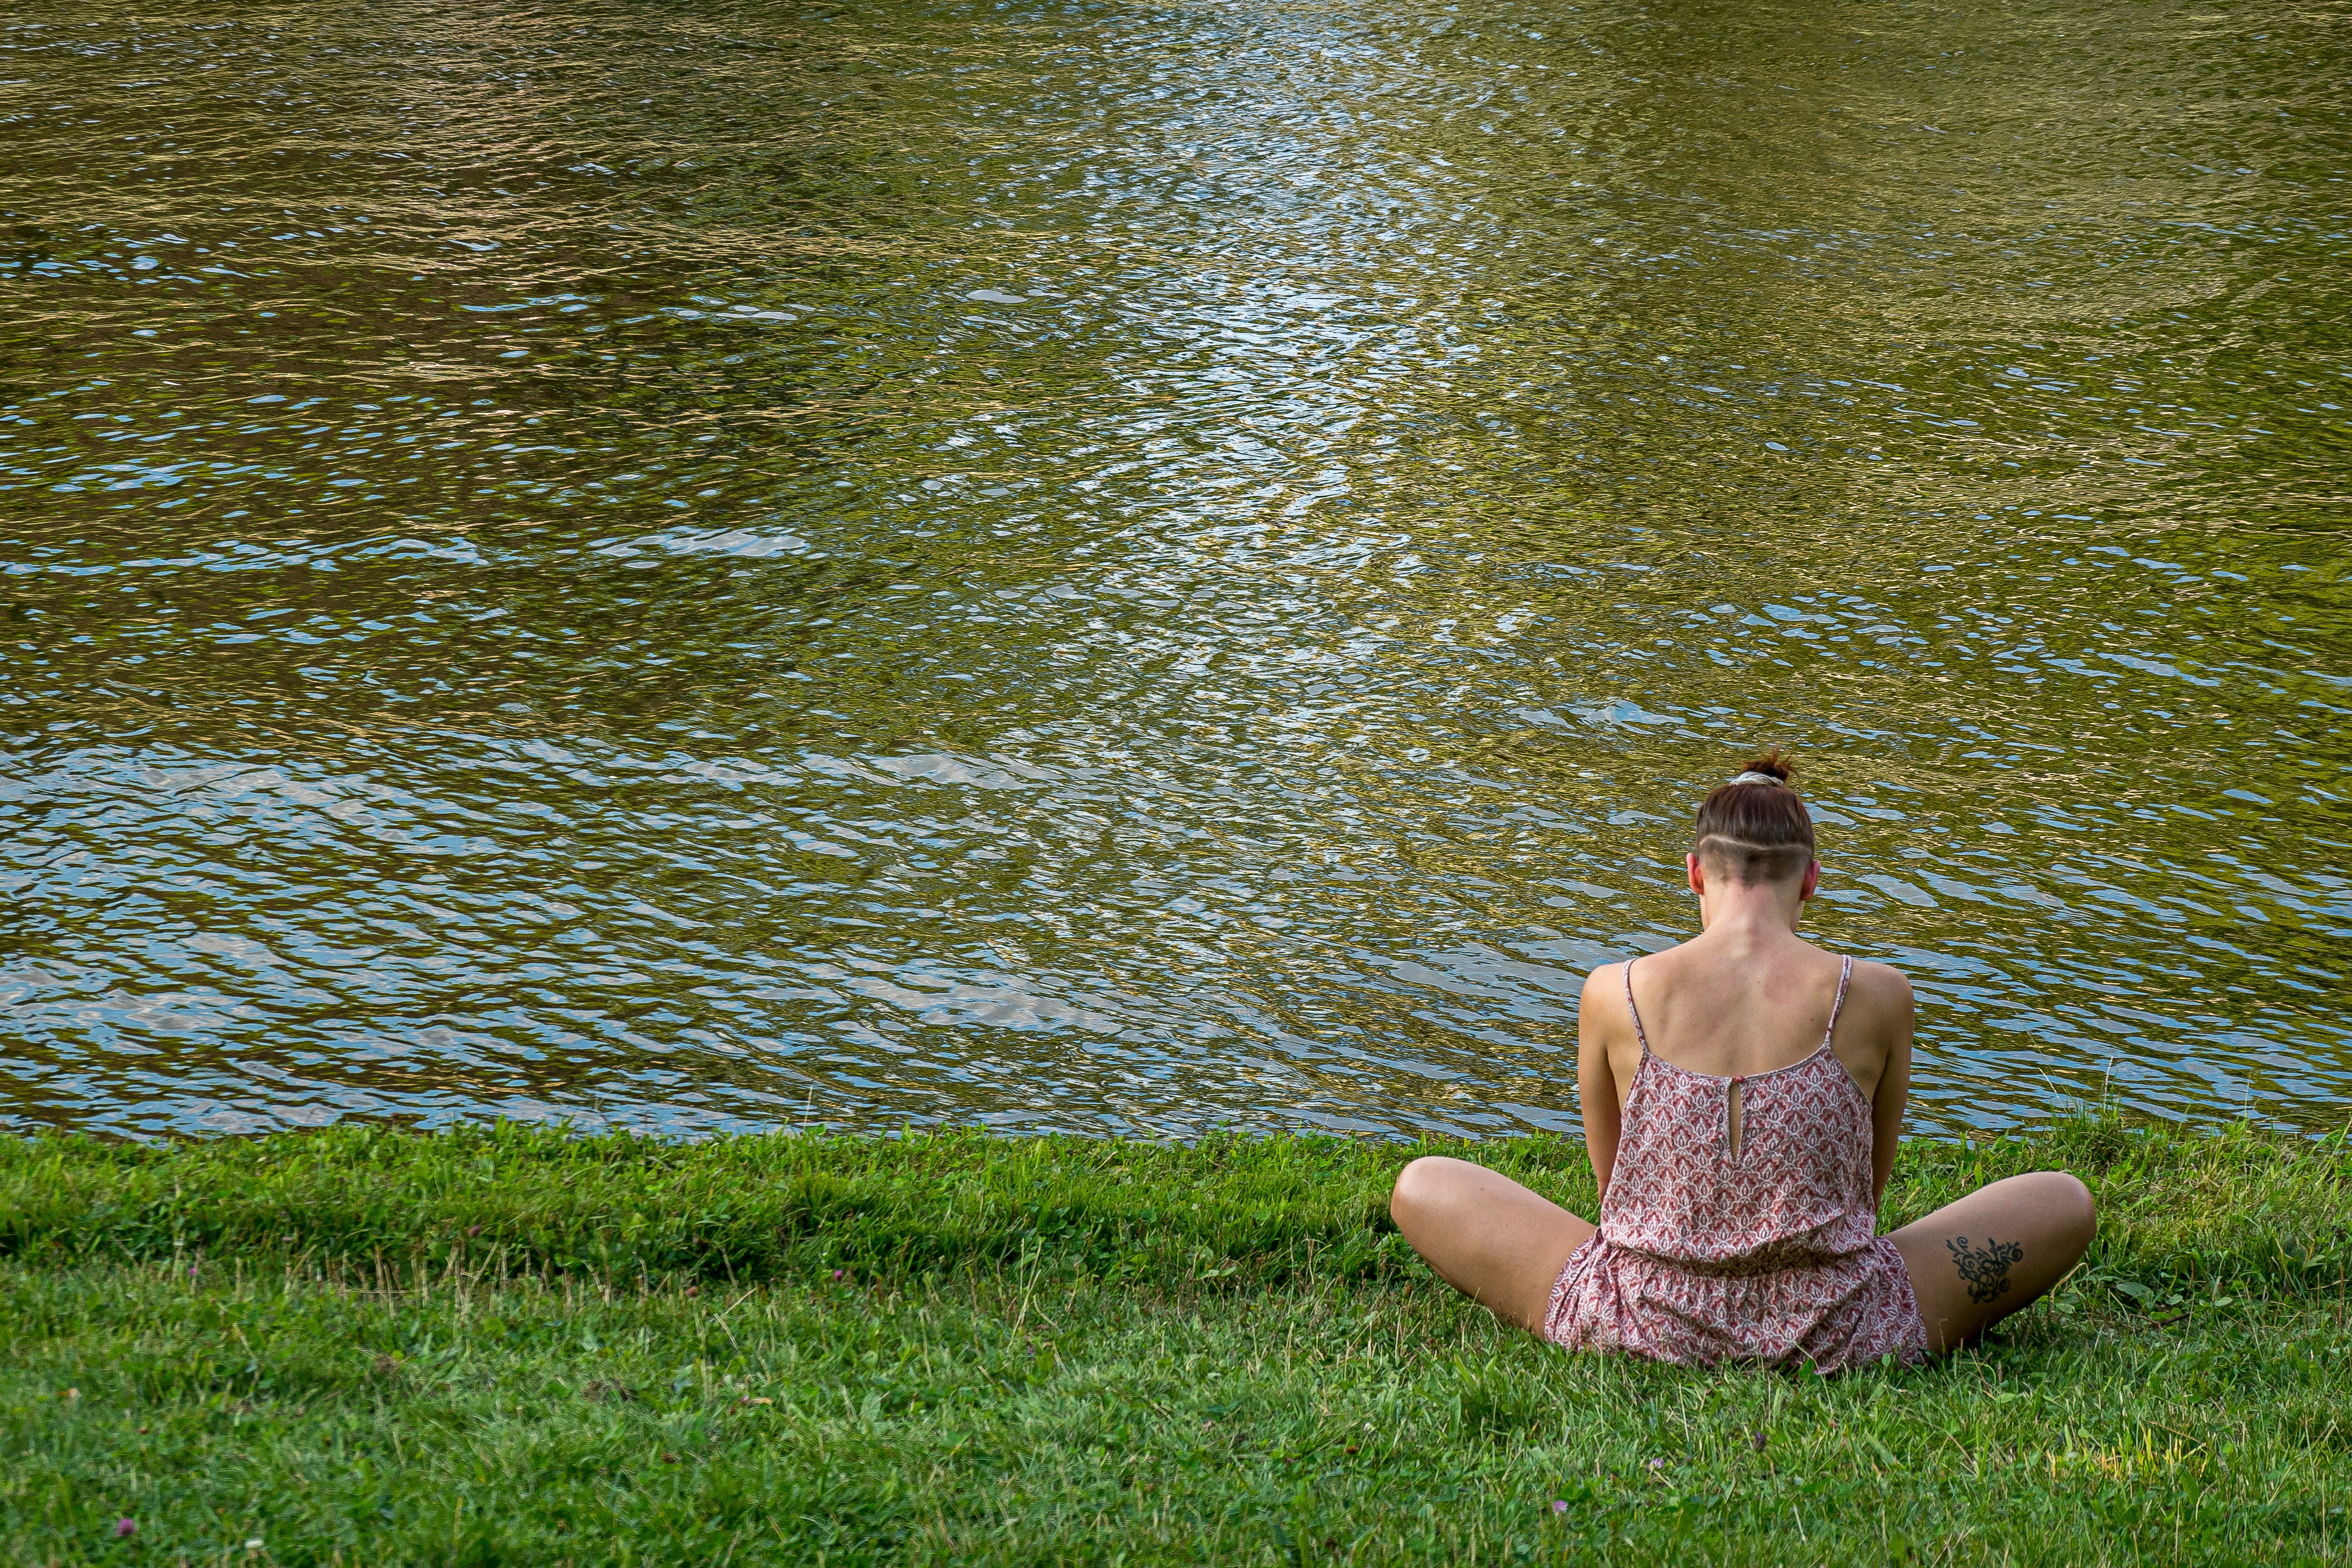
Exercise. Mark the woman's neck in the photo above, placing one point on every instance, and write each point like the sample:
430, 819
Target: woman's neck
1750, 914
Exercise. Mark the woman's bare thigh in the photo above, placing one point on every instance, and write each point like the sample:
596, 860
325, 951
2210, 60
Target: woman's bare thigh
1491, 1238
1974, 1262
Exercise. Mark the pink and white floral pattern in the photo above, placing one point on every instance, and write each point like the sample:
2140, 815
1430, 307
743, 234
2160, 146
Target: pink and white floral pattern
1767, 1253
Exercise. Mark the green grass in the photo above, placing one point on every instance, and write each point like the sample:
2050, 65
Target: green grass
366, 1347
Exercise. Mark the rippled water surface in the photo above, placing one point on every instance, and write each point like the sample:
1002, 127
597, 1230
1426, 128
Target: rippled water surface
1136, 566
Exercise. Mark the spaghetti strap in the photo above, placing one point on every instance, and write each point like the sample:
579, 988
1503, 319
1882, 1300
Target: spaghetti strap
1845, 973
1637, 1012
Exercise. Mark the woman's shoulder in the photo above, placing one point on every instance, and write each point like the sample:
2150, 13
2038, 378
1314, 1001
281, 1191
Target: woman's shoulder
1879, 988
1609, 982
1609, 976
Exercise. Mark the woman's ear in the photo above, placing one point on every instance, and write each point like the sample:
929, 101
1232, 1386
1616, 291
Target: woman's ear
1812, 882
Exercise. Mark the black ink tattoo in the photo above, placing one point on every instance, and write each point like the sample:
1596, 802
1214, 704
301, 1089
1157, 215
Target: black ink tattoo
1985, 1270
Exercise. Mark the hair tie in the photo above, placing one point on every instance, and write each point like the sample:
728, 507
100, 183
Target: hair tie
1752, 776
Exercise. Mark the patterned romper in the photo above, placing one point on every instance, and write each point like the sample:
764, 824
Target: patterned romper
1769, 1255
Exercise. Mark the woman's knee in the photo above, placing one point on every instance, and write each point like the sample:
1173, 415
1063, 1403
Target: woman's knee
2071, 1204
1417, 1190
2062, 1207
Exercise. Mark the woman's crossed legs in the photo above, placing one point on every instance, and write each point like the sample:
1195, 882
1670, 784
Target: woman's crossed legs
1971, 1263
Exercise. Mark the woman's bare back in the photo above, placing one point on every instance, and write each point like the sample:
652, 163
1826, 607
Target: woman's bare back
1735, 1007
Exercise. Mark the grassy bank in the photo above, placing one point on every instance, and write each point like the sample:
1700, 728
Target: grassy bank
366, 1347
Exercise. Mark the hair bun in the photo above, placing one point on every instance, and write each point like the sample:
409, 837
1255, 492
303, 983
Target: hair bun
1754, 827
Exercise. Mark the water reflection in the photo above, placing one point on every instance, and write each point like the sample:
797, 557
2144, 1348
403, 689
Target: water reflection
1058, 566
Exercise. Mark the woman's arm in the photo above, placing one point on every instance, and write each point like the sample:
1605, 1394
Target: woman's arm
1894, 1086
1596, 1085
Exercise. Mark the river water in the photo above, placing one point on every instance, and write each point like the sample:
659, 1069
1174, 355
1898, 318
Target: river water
1139, 567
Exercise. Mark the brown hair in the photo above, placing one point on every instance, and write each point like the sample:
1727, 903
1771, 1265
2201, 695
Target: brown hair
1758, 831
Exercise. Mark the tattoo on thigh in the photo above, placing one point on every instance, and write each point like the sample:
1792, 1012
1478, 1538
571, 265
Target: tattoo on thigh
1986, 1269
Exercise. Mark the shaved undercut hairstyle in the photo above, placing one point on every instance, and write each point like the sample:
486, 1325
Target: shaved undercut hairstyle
1755, 828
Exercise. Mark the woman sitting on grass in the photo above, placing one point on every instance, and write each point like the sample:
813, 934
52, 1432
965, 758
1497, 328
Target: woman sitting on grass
1743, 1095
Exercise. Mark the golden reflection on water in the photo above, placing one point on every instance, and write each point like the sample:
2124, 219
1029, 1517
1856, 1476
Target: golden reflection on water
1143, 568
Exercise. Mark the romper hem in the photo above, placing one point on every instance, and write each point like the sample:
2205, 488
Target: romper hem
1612, 1300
